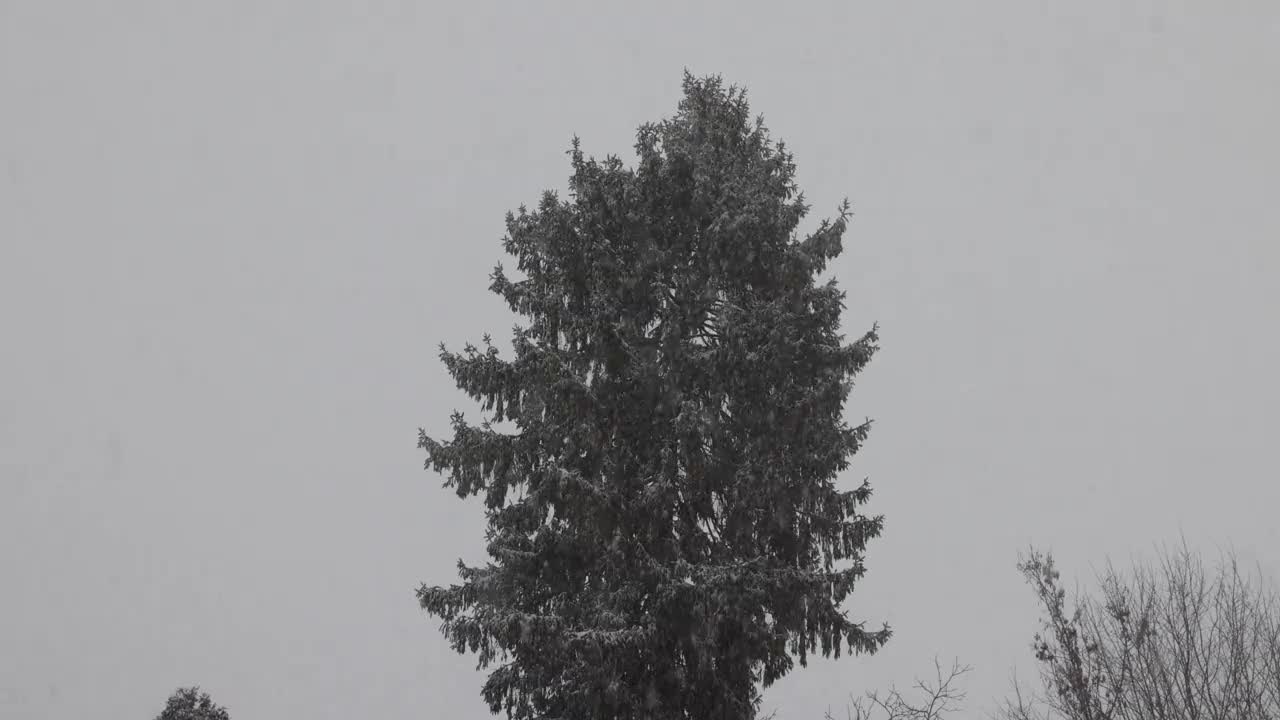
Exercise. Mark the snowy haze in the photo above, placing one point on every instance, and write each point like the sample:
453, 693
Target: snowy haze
232, 235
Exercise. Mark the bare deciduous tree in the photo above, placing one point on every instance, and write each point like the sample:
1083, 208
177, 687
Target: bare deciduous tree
937, 698
1172, 641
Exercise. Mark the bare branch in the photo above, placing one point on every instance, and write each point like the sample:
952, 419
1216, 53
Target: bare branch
939, 697
1169, 641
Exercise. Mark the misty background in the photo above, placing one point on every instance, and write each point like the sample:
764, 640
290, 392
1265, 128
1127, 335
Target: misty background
232, 235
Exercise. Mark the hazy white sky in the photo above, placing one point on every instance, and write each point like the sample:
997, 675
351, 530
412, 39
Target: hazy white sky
232, 234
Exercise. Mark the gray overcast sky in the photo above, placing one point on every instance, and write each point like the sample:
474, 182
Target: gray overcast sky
232, 234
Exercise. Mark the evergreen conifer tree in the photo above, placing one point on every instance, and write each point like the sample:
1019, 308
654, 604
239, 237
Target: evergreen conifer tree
191, 704
664, 523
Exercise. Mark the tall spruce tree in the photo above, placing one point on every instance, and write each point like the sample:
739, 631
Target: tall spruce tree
664, 523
